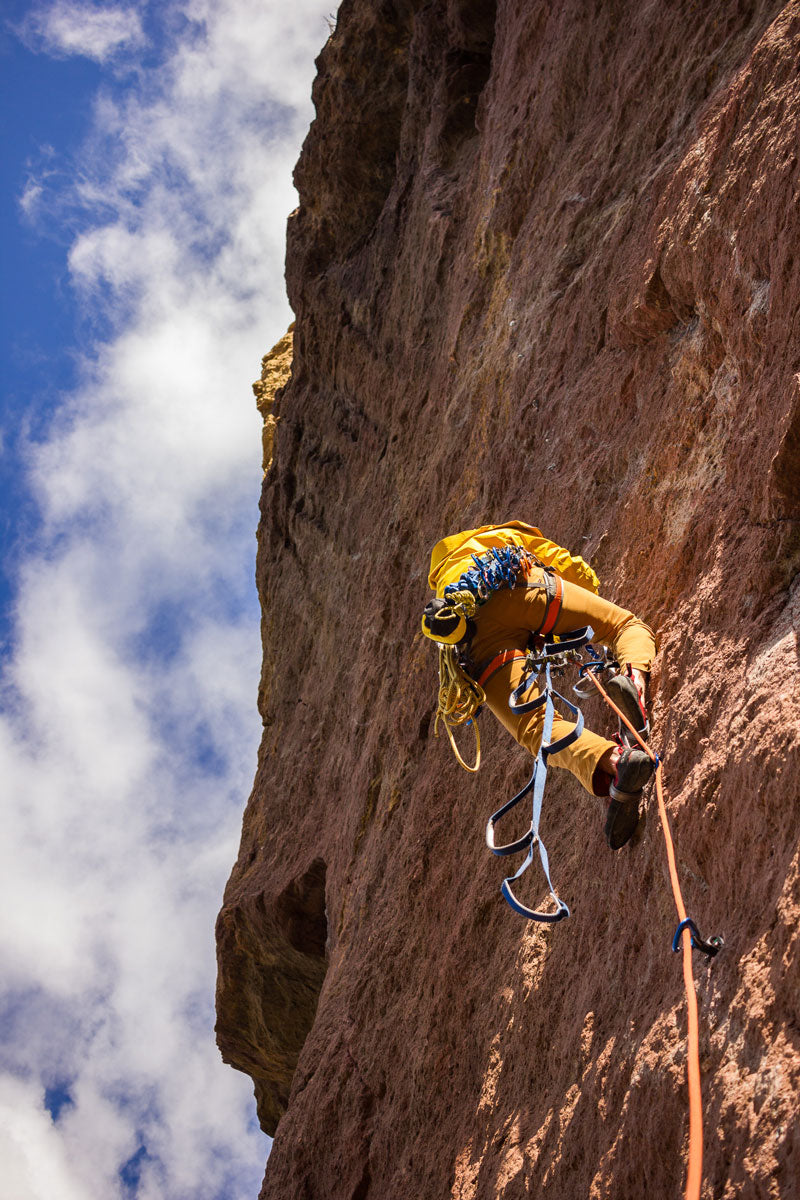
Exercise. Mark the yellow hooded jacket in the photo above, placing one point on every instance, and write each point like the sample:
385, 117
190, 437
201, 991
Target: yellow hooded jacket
453, 555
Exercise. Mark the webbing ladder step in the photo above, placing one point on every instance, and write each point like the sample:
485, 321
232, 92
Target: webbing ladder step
537, 662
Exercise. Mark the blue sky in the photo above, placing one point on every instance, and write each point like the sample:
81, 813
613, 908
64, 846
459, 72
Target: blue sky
147, 155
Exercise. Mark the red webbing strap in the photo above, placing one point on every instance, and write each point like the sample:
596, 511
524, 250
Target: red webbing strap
499, 660
553, 608
694, 1174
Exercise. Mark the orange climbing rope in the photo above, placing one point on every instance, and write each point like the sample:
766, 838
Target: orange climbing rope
694, 1175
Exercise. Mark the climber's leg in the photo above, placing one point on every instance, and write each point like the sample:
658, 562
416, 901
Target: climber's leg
509, 616
581, 758
633, 645
632, 641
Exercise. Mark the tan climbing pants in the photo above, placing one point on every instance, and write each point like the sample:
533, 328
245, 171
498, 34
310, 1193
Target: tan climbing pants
506, 621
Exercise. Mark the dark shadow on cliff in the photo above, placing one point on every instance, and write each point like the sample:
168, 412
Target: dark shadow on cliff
272, 954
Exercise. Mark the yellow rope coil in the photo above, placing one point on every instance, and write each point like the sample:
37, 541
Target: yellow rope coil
459, 699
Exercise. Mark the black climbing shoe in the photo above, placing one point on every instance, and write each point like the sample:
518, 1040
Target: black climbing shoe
625, 694
633, 771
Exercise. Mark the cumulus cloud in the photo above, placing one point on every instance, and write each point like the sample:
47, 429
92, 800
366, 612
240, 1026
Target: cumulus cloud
97, 31
129, 732
33, 1155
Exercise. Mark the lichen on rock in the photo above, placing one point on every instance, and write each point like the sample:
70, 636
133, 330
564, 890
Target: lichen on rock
276, 370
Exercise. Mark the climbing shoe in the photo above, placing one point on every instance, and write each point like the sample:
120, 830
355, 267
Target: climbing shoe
625, 694
633, 771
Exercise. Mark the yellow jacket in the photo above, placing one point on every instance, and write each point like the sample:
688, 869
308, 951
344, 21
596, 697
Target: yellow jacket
453, 555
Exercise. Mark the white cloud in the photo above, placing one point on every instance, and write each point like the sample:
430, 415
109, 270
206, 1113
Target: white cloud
96, 31
129, 732
31, 195
31, 1151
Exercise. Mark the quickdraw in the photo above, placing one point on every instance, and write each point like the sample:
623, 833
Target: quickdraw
493, 570
710, 948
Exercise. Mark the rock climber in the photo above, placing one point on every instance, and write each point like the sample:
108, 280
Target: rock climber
554, 592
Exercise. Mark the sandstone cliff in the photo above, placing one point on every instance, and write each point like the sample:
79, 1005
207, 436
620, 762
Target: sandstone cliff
546, 264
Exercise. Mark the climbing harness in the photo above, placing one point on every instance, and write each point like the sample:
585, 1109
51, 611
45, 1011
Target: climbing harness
497, 663
547, 657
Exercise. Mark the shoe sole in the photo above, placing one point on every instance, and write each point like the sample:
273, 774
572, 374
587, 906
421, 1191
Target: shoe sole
622, 822
626, 697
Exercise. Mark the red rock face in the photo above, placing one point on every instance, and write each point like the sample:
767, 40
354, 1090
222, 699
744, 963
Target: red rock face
546, 265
